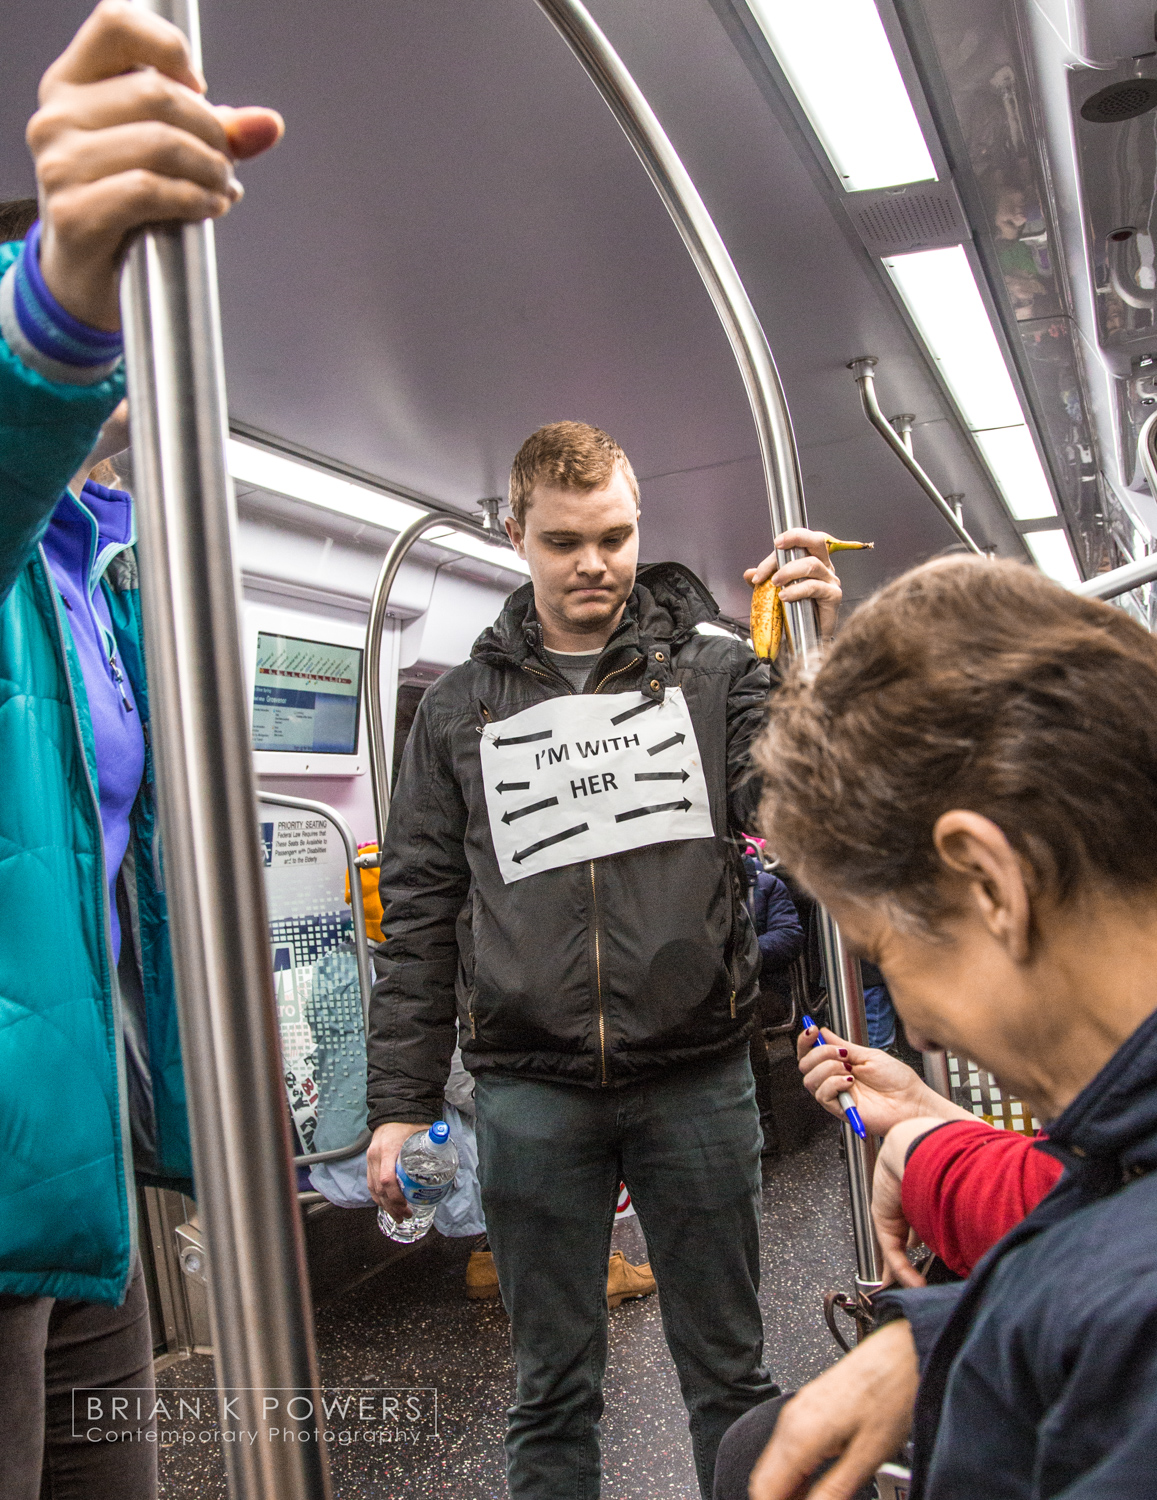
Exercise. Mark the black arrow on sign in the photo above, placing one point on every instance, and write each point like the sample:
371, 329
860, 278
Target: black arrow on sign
526, 739
513, 786
659, 776
521, 812
676, 739
641, 812
555, 838
631, 712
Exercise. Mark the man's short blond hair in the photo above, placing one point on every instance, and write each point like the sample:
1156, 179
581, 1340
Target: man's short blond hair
566, 456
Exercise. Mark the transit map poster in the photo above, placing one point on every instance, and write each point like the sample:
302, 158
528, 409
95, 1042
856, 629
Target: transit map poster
306, 695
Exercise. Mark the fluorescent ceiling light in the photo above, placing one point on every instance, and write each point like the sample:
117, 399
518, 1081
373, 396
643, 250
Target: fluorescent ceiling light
941, 294
1054, 556
474, 546
1013, 459
838, 59
285, 476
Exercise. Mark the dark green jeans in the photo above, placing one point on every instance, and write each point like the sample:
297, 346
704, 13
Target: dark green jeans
550, 1159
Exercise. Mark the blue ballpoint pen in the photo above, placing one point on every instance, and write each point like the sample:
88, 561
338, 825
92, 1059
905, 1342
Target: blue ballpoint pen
851, 1113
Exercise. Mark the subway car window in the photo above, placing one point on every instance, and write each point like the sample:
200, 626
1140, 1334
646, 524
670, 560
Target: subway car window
577, 905
409, 695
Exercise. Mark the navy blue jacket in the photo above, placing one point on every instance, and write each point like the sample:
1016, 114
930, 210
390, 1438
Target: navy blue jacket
1039, 1373
776, 923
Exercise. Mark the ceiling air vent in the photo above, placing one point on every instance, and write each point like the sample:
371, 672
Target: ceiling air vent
1120, 101
923, 216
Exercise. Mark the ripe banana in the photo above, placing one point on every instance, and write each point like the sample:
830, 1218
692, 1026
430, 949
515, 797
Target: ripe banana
768, 622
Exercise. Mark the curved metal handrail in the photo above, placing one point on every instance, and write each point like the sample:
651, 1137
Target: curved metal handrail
1144, 570
781, 469
1115, 243
361, 946
863, 370
705, 245
1119, 580
375, 725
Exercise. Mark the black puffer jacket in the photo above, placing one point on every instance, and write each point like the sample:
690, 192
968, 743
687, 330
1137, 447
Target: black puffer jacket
596, 973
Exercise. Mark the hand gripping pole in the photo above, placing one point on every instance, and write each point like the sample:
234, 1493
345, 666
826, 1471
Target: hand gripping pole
260, 1311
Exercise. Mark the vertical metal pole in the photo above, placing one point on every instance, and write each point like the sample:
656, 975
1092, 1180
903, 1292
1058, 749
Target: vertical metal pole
777, 448
936, 1074
261, 1317
848, 1019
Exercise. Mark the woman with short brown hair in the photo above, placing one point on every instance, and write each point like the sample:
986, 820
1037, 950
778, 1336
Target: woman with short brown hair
969, 782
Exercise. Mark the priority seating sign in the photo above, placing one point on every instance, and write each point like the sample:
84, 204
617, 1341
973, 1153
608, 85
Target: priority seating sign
583, 776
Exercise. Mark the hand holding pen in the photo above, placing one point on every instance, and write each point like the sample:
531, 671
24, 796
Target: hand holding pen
847, 1104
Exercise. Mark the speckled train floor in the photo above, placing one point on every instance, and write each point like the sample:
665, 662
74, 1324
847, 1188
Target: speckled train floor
410, 1325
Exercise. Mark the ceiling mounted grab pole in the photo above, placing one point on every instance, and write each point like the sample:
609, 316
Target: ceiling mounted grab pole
260, 1314
864, 372
489, 532
1120, 580
902, 426
781, 471
714, 264
1144, 570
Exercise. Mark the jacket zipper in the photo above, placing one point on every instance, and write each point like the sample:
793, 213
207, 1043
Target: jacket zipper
549, 677
599, 975
119, 679
595, 903
618, 672
102, 885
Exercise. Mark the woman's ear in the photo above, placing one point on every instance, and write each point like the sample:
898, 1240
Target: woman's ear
978, 854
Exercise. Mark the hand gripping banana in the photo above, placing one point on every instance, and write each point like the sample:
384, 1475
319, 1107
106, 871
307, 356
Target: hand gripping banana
768, 622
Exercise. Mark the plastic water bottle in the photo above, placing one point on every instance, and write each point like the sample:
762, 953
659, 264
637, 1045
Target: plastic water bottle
425, 1170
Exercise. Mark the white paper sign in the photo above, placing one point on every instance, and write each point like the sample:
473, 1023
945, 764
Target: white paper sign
579, 777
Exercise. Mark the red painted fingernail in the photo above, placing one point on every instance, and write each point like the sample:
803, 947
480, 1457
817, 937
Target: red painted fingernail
851, 1079
843, 1052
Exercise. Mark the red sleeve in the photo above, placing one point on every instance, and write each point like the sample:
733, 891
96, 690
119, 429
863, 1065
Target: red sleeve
966, 1185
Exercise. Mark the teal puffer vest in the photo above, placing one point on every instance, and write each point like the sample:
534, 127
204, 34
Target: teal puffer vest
67, 1187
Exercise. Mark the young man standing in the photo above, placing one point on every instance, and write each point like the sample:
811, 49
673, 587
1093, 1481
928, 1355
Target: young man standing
563, 892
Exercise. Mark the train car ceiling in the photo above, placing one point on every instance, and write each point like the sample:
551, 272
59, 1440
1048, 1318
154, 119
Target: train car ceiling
455, 244
1059, 200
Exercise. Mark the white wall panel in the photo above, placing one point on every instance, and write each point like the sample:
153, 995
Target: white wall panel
437, 616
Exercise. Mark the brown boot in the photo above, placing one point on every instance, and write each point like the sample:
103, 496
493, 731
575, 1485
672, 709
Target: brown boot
625, 1280
481, 1277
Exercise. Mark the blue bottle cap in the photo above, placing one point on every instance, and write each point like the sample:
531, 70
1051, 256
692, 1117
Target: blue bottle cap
439, 1132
